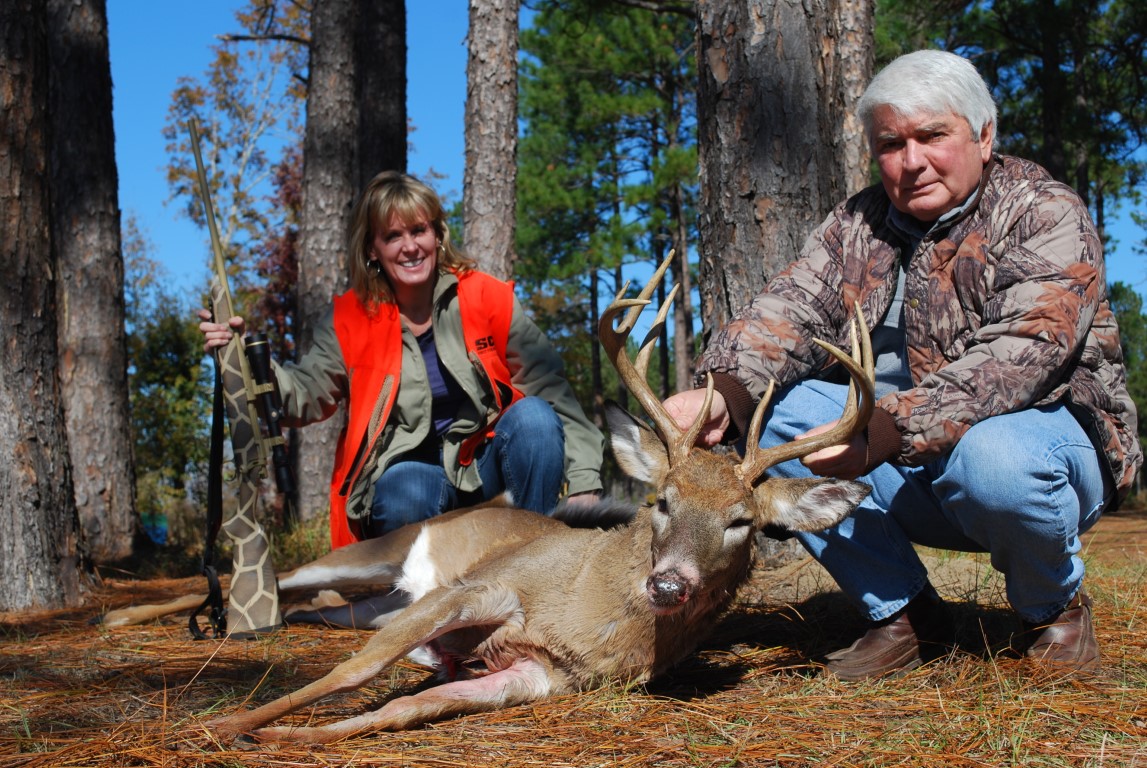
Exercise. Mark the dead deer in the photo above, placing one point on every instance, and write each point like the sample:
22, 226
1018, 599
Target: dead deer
576, 608
392, 569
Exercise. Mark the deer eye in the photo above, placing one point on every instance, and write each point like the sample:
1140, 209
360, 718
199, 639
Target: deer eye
662, 505
741, 522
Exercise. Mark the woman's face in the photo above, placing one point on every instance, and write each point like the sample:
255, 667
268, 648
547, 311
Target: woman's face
408, 252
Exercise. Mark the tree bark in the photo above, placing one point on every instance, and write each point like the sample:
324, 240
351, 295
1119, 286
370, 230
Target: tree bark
39, 526
380, 64
779, 143
683, 351
490, 176
330, 170
90, 288
777, 140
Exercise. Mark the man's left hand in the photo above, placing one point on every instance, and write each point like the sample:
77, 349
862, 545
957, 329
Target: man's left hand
845, 462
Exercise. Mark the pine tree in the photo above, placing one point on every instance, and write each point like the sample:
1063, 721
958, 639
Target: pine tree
607, 163
86, 240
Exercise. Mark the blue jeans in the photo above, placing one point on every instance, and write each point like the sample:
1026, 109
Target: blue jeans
525, 458
1021, 486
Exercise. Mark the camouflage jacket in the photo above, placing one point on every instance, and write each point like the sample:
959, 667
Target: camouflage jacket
1005, 308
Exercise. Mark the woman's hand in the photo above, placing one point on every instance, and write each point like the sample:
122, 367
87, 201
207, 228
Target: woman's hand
587, 499
217, 335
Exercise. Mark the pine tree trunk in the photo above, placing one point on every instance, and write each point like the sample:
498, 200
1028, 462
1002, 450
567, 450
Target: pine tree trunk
380, 66
490, 177
39, 526
330, 169
90, 289
779, 144
683, 307
852, 64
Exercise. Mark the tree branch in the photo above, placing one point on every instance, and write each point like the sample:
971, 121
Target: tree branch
666, 6
230, 38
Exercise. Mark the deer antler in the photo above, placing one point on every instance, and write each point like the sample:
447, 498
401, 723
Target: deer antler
633, 374
857, 410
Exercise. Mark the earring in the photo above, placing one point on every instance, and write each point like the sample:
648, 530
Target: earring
375, 266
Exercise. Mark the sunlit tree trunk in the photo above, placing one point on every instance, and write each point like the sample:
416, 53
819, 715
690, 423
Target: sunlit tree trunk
778, 143
488, 198
86, 238
330, 171
39, 526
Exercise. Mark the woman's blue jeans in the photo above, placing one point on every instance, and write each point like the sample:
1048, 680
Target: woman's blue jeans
1021, 486
525, 459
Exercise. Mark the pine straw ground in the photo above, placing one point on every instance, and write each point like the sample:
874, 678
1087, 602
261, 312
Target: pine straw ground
73, 694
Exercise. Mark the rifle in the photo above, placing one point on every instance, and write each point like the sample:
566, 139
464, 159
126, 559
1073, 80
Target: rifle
244, 391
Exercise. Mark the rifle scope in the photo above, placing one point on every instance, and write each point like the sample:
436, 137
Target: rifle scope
270, 407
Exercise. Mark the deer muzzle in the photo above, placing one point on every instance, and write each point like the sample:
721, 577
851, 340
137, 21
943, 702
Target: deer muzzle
668, 591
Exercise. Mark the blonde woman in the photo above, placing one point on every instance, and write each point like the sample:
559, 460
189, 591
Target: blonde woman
453, 394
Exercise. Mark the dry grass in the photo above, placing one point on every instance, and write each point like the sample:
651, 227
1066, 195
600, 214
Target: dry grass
76, 695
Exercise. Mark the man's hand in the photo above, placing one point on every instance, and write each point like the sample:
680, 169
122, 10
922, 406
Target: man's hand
844, 462
684, 407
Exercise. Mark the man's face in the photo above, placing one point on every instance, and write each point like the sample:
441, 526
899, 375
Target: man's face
929, 163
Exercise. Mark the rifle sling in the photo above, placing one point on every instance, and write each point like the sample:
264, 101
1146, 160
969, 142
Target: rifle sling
217, 615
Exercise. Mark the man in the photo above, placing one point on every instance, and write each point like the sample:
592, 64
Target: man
1003, 422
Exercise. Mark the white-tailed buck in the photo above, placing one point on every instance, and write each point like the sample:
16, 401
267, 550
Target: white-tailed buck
571, 609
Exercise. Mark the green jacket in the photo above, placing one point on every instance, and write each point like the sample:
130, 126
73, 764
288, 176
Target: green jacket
313, 388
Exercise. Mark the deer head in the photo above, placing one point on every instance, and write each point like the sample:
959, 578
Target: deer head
709, 505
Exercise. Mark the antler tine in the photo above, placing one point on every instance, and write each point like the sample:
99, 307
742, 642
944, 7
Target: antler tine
857, 410
753, 442
633, 376
641, 363
680, 449
637, 304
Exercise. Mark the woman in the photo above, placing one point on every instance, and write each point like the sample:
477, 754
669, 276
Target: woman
454, 395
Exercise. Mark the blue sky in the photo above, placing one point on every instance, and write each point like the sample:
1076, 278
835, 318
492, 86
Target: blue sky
154, 42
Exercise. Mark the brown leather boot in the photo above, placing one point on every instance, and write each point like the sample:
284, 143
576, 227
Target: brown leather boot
1067, 639
921, 631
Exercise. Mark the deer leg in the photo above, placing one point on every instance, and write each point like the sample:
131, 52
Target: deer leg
367, 613
441, 611
138, 614
524, 681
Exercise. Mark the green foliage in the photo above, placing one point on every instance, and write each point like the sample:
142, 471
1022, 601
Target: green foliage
1128, 307
903, 26
607, 107
607, 164
169, 382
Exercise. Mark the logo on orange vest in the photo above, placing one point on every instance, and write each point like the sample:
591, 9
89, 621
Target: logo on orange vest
484, 344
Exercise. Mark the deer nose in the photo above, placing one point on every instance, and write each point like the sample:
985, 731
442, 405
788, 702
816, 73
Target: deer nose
667, 590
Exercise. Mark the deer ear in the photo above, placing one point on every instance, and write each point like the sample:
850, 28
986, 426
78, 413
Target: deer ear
638, 450
807, 504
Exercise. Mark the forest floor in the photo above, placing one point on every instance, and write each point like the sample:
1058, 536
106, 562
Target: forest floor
76, 694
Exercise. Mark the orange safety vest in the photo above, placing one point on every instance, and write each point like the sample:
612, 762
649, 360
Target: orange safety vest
372, 350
